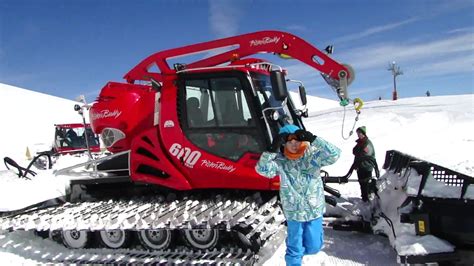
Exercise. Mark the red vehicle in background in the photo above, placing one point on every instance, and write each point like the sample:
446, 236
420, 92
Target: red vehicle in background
71, 138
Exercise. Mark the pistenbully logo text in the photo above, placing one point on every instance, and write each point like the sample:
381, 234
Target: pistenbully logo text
264, 40
107, 113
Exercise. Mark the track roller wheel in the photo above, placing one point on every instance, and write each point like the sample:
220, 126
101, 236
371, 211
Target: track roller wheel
56, 236
75, 238
115, 238
155, 239
201, 238
253, 243
43, 234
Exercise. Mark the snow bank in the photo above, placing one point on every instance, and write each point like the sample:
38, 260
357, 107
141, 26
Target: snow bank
314, 104
17, 193
436, 129
28, 119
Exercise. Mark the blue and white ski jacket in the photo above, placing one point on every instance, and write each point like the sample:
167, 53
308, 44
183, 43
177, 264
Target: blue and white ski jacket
301, 187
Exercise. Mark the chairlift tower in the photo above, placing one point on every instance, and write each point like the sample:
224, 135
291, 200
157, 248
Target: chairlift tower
396, 71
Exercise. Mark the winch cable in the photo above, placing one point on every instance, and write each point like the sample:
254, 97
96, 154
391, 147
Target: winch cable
353, 125
358, 103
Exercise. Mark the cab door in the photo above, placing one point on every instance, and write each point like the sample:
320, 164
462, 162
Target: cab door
221, 131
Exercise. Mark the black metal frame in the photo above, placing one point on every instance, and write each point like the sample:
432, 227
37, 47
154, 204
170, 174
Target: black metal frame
451, 219
398, 162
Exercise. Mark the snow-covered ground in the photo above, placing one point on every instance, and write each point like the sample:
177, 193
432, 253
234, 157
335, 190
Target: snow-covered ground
28, 119
437, 129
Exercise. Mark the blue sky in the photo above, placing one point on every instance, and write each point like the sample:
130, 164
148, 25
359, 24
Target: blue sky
68, 48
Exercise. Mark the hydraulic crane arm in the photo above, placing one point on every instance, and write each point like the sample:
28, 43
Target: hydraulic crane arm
276, 42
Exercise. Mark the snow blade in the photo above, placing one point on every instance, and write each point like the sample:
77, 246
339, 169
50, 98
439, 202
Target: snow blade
442, 205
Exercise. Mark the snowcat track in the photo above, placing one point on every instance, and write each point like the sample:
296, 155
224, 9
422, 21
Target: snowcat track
225, 256
154, 212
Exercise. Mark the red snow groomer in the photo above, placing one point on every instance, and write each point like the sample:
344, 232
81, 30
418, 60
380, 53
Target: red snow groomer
204, 124
185, 139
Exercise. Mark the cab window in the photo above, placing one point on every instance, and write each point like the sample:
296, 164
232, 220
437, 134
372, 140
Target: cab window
218, 117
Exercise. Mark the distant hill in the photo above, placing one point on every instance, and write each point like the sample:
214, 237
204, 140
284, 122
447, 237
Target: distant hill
437, 128
28, 117
314, 103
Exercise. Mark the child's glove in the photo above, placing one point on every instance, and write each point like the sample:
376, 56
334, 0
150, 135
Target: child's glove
276, 144
304, 135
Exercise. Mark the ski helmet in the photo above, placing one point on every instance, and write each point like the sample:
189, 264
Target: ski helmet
288, 129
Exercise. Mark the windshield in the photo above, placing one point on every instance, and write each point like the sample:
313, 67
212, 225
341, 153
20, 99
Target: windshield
264, 90
75, 137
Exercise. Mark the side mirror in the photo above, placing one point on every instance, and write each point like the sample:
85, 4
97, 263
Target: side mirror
278, 81
302, 91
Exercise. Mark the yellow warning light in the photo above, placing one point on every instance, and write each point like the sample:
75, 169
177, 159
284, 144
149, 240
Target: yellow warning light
421, 226
285, 56
275, 185
234, 57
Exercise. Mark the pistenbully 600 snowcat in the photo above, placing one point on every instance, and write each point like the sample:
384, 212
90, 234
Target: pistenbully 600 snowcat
185, 140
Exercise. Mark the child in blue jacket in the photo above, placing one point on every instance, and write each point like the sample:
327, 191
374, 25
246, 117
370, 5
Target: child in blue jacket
301, 187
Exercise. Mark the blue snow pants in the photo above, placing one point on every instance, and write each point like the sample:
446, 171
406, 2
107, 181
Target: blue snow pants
303, 238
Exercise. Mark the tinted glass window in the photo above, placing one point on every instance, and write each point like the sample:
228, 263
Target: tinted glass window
220, 106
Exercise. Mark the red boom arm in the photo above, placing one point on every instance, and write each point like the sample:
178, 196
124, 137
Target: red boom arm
247, 44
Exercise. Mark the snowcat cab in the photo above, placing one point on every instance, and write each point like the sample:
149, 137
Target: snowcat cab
71, 138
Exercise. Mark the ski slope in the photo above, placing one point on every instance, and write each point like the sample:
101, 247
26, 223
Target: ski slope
437, 129
28, 119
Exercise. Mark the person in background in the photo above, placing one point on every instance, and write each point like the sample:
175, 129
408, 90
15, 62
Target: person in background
364, 162
297, 157
71, 138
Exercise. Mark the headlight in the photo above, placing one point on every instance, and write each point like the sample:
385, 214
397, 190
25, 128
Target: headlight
110, 136
275, 115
